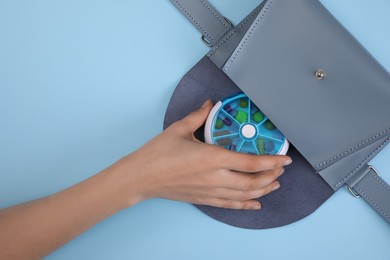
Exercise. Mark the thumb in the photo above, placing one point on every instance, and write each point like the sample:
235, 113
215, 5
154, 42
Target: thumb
196, 119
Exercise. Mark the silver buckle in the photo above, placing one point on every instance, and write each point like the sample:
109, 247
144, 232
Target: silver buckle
352, 191
209, 43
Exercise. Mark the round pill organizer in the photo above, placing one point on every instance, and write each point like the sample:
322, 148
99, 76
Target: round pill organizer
237, 124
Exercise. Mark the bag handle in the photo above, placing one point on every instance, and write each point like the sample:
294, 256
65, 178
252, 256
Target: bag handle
209, 22
373, 189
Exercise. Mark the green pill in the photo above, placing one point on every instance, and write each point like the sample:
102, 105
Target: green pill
258, 117
260, 146
221, 133
224, 142
244, 103
241, 116
269, 125
218, 123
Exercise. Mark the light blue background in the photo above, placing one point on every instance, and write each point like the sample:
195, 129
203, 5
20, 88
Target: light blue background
83, 83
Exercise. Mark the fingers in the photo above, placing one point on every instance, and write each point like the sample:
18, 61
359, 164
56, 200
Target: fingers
232, 204
233, 199
247, 182
238, 199
241, 190
244, 195
196, 119
253, 163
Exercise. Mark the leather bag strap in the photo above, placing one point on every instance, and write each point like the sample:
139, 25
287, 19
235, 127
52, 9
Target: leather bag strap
209, 22
373, 189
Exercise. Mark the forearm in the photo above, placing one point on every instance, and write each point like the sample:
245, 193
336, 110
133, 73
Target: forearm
34, 229
173, 165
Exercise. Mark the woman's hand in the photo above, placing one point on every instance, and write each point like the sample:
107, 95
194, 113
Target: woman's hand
175, 165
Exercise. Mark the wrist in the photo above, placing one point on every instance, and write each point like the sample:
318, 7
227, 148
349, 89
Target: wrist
125, 181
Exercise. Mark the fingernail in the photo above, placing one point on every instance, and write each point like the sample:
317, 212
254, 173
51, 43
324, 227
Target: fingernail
275, 187
205, 104
287, 162
281, 171
256, 206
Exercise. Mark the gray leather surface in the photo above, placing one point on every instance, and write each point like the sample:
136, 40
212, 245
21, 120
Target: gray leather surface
326, 120
373, 189
209, 22
337, 173
226, 46
302, 191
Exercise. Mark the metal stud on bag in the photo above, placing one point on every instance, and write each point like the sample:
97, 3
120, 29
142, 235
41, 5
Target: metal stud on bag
320, 74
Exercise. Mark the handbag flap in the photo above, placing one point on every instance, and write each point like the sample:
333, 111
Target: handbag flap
327, 115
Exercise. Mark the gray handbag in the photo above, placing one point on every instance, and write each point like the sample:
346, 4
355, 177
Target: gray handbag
335, 96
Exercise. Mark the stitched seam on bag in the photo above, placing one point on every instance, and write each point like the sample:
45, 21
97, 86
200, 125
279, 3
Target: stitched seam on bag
353, 148
215, 14
235, 30
250, 33
205, 33
373, 203
365, 195
380, 181
342, 181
